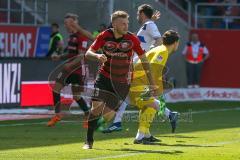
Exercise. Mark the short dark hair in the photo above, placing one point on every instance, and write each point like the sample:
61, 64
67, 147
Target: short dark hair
170, 37
119, 14
55, 25
146, 9
71, 15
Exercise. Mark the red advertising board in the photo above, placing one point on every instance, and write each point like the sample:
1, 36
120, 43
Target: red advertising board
17, 41
222, 68
24, 41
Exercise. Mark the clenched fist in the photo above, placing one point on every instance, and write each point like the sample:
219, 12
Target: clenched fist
101, 58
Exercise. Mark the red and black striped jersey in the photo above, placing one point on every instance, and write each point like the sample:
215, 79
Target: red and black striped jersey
119, 53
77, 44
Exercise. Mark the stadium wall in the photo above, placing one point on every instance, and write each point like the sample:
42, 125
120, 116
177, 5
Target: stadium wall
222, 68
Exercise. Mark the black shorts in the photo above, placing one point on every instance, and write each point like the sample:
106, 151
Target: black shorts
74, 78
110, 92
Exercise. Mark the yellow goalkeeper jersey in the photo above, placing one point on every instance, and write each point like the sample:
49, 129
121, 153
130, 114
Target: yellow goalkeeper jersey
157, 58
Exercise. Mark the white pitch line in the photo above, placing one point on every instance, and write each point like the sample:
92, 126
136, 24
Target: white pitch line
115, 156
216, 110
193, 112
28, 124
227, 142
203, 111
133, 154
217, 144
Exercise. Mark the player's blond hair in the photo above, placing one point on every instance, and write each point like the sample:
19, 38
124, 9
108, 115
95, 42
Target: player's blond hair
71, 15
119, 14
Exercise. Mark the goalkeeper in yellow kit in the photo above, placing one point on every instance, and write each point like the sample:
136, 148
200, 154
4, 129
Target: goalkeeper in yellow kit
149, 105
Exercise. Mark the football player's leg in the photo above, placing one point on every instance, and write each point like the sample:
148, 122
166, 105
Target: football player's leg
76, 90
172, 116
93, 118
56, 99
116, 125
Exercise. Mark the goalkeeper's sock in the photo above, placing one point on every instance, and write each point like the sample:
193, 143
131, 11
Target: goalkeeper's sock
100, 121
167, 112
139, 135
101, 124
162, 105
148, 134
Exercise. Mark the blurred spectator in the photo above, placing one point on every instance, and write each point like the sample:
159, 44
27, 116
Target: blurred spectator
224, 22
56, 41
195, 53
231, 10
3, 17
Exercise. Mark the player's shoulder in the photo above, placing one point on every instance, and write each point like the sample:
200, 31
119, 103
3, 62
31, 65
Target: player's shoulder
160, 50
106, 33
161, 54
131, 35
79, 37
150, 24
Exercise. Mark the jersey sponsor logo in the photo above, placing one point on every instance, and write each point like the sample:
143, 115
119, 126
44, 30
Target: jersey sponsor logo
125, 45
117, 54
110, 47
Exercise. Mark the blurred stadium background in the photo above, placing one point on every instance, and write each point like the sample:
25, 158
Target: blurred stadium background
24, 69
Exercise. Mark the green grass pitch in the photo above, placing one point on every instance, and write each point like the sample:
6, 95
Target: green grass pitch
210, 135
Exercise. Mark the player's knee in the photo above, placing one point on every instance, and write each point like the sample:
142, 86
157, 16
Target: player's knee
57, 87
155, 105
97, 107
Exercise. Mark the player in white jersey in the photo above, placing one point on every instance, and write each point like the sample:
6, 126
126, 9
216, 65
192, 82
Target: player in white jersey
149, 37
148, 34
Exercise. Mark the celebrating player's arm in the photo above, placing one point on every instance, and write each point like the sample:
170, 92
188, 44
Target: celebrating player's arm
83, 31
92, 55
156, 15
73, 62
155, 34
158, 40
